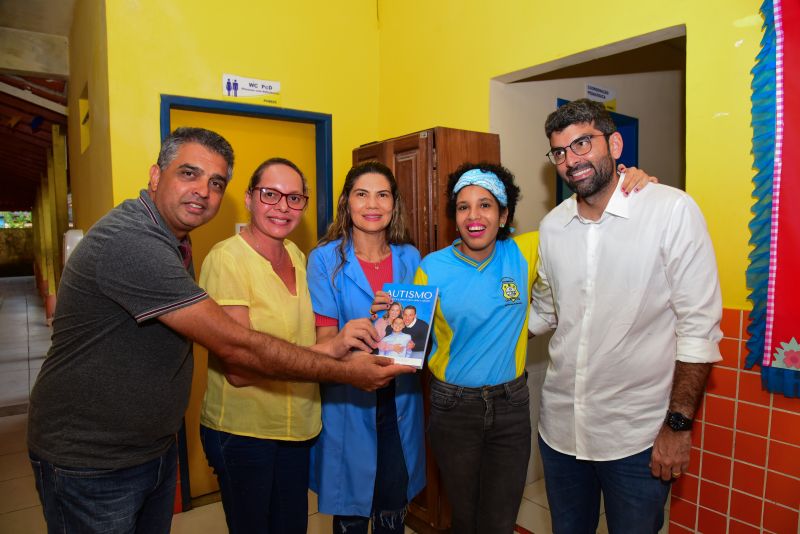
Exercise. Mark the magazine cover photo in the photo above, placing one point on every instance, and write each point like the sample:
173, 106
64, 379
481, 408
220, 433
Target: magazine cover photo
406, 325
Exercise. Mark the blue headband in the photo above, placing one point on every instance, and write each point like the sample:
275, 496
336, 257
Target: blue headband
485, 179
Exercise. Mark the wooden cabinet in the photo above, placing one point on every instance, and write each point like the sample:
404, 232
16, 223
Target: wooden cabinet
422, 163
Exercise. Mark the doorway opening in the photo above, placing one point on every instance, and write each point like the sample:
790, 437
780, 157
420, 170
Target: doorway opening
647, 77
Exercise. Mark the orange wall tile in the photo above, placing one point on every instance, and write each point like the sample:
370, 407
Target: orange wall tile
784, 458
748, 478
752, 418
783, 490
736, 527
750, 389
682, 512
785, 426
722, 382
714, 496
718, 440
686, 488
731, 324
675, 528
780, 519
729, 349
719, 411
750, 449
785, 403
694, 461
711, 522
716, 468
746, 508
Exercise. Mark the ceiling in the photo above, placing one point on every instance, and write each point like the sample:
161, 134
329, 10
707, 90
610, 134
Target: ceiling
660, 56
25, 137
29, 105
43, 16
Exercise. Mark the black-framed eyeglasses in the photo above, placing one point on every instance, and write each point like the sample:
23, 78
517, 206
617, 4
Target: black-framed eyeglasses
579, 147
268, 196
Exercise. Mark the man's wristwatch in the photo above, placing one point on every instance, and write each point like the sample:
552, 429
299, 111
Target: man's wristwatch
678, 422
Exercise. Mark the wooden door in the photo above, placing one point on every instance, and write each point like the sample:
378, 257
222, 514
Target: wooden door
409, 159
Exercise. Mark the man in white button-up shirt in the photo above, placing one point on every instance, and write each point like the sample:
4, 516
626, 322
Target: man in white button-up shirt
630, 285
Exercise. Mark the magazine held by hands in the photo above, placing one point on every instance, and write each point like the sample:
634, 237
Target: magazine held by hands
406, 325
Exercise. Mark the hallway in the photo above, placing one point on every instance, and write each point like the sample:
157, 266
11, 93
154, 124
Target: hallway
24, 340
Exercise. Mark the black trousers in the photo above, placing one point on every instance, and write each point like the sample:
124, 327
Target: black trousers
481, 438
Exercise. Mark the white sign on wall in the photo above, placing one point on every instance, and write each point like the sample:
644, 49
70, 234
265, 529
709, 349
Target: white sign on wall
254, 90
601, 94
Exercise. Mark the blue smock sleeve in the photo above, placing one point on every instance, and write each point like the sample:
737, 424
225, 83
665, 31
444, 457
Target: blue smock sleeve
324, 297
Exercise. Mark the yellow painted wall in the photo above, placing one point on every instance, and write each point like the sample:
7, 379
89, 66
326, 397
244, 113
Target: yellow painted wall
437, 59
387, 68
325, 54
90, 170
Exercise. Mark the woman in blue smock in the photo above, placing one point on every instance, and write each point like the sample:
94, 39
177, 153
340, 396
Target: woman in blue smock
369, 461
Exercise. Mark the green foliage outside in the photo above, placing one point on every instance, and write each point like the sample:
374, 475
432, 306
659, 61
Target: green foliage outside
15, 219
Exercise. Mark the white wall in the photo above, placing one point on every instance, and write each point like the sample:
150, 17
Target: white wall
517, 114
518, 111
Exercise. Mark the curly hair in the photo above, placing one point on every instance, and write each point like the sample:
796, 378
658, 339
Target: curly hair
505, 176
581, 111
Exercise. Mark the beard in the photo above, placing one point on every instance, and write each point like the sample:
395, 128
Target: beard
588, 187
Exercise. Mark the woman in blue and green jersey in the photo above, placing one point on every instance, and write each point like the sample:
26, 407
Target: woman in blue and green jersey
479, 426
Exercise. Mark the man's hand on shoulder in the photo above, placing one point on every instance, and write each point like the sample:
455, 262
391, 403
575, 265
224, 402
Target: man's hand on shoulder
369, 372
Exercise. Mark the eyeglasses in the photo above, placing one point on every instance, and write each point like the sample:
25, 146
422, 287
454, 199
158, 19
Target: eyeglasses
271, 197
579, 147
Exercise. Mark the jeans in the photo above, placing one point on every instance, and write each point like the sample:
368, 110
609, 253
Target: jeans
481, 438
634, 498
391, 476
263, 482
136, 499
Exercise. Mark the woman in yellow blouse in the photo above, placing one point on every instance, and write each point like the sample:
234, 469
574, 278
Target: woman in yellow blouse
257, 438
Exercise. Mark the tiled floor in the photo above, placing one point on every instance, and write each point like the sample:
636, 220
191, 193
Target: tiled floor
24, 340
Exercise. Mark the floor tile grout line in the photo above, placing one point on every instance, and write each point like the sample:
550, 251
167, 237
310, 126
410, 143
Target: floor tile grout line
16, 478
20, 509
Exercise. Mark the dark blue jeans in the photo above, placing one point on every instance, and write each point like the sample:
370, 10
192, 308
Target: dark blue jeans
391, 476
263, 482
634, 498
481, 438
135, 499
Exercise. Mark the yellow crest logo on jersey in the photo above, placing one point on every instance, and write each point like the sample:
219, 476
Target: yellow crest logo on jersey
509, 288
